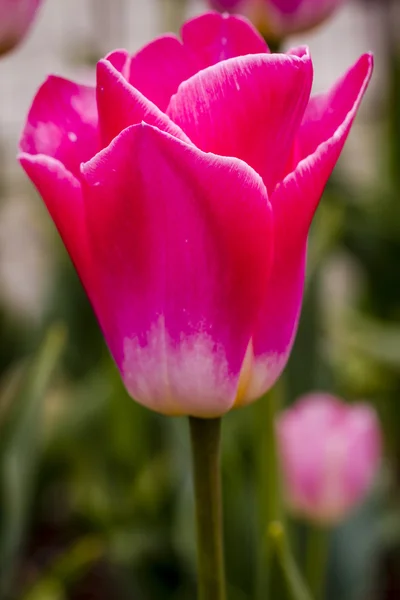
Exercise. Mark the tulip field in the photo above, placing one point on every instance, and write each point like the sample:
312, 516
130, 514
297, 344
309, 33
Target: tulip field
199, 300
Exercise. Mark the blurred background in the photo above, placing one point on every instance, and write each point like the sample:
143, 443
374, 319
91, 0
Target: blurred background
95, 491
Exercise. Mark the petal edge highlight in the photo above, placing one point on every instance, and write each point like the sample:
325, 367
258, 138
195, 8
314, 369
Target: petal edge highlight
249, 107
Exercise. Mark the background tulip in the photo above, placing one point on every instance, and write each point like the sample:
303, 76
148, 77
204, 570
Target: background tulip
185, 202
279, 18
330, 454
16, 17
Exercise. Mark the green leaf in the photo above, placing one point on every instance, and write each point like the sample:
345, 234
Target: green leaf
21, 451
289, 572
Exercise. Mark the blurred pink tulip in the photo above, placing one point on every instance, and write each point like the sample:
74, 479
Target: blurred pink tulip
16, 17
184, 186
279, 18
330, 453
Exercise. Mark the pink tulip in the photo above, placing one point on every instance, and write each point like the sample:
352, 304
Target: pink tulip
279, 18
330, 454
184, 186
16, 17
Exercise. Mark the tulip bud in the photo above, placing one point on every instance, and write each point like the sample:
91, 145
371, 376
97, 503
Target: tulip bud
330, 452
197, 322
279, 18
16, 17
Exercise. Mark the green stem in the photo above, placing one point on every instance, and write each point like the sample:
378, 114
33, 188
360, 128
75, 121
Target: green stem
274, 509
295, 585
205, 438
274, 45
316, 560
270, 505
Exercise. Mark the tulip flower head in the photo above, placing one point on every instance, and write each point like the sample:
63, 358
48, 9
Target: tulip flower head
16, 17
279, 18
183, 186
330, 453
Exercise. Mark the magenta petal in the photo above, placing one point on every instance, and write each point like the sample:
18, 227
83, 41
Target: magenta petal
297, 51
275, 330
318, 145
331, 115
173, 63
62, 123
121, 61
62, 194
180, 292
121, 105
214, 37
249, 107
365, 447
294, 202
16, 17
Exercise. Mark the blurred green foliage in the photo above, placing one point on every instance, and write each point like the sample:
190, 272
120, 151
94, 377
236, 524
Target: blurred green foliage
95, 491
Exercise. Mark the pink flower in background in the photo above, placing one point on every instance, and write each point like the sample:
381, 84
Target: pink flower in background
330, 454
279, 18
184, 186
16, 17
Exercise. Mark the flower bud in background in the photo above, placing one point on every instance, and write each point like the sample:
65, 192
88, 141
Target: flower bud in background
16, 17
330, 452
278, 18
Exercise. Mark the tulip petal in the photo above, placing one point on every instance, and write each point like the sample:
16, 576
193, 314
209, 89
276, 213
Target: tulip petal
275, 330
297, 51
320, 140
62, 123
165, 220
15, 20
214, 37
249, 107
365, 447
62, 194
207, 39
121, 61
174, 62
121, 105
330, 115
312, 472
316, 437
294, 202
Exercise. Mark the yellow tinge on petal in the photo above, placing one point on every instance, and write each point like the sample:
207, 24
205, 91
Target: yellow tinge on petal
245, 376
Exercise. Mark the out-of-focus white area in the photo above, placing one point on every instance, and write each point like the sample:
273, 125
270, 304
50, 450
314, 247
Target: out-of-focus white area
25, 259
66, 39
